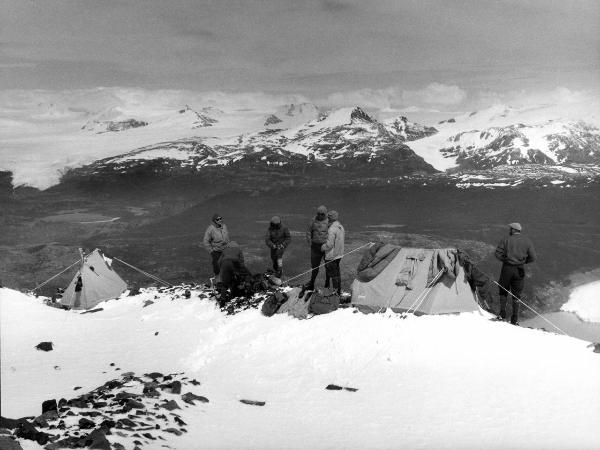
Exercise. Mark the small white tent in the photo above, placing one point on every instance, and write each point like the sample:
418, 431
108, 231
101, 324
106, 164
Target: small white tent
95, 282
422, 281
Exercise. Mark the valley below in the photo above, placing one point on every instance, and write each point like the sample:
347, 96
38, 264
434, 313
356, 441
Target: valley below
159, 227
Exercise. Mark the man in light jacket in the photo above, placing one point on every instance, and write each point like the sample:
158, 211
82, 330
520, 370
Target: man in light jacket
215, 241
334, 250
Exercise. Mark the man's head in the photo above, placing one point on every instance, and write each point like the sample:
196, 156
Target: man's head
322, 212
332, 216
275, 222
217, 219
514, 227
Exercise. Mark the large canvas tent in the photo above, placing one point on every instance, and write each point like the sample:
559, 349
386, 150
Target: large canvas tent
99, 282
422, 281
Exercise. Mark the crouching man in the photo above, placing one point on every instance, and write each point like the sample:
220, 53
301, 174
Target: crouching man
231, 270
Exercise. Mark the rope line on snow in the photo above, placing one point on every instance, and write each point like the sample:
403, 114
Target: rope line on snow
322, 265
153, 277
525, 304
52, 278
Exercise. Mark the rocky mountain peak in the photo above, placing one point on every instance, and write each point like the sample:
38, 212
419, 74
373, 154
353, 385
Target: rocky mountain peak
358, 115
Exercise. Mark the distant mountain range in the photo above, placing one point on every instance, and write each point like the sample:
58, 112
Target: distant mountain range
344, 143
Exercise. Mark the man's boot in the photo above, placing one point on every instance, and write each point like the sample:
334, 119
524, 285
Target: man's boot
502, 315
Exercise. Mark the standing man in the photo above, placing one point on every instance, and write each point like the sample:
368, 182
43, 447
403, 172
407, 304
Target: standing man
215, 241
334, 250
316, 236
515, 250
277, 239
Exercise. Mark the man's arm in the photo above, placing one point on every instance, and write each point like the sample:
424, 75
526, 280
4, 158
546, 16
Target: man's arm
531, 256
330, 242
501, 250
309, 233
287, 237
268, 240
207, 240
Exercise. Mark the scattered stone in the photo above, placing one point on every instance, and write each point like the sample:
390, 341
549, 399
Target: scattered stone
179, 421
133, 404
187, 293
252, 402
154, 375
117, 446
97, 439
86, 423
148, 436
156, 334
126, 422
39, 421
77, 403
147, 303
334, 387
62, 402
167, 377
175, 431
76, 388
28, 431
112, 364
56, 367
107, 424
8, 443
189, 397
173, 388
195, 382
45, 346
150, 391
595, 347
49, 405
170, 405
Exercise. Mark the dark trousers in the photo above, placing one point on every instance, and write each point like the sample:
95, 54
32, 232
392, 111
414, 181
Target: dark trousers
512, 279
332, 270
215, 255
277, 260
316, 256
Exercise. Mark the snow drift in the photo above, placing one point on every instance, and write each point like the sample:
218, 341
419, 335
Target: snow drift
458, 381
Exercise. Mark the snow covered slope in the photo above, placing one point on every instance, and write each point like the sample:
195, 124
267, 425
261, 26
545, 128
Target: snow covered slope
503, 135
585, 302
423, 382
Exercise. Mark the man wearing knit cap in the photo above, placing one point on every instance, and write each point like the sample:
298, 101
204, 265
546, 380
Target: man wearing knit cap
514, 250
215, 240
316, 235
277, 239
334, 250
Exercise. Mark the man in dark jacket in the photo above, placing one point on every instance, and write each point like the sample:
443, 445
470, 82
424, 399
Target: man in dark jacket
277, 239
232, 270
316, 236
215, 240
515, 250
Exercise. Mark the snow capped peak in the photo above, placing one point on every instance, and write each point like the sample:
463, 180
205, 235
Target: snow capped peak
407, 130
358, 115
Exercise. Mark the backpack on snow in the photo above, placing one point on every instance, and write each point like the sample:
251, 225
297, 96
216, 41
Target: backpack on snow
323, 301
272, 303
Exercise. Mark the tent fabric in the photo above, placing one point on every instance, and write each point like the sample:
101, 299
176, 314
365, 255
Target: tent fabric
100, 282
403, 283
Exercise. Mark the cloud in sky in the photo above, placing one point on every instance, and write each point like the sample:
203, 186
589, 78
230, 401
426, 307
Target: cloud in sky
435, 94
297, 46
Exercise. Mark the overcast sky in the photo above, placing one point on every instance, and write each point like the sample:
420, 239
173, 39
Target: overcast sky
315, 48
